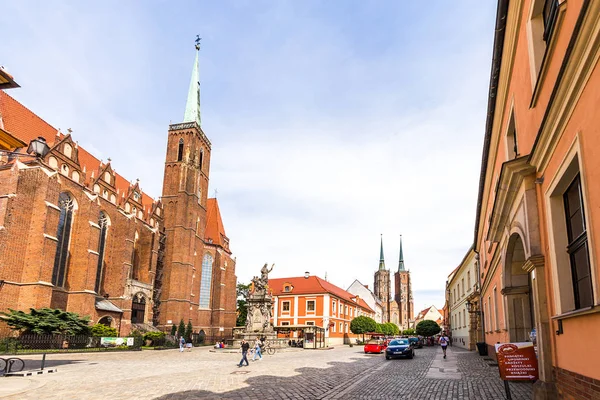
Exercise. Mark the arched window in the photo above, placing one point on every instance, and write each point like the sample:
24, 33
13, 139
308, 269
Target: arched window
180, 150
103, 223
205, 281
63, 234
135, 259
138, 309
201, 159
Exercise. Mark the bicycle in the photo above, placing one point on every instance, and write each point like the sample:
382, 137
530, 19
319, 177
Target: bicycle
12, 364
267, 349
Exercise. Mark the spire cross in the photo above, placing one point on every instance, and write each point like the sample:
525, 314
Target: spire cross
197, 41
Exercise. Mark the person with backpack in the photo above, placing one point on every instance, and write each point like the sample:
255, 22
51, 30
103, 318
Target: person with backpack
444, 340
181, 343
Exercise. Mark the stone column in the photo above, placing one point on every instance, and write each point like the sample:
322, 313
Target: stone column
544, 388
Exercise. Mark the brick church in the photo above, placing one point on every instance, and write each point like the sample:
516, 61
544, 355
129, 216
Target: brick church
76, 235
398, 309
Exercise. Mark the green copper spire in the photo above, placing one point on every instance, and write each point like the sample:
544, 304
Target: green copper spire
381, 261
192, 107
401, 259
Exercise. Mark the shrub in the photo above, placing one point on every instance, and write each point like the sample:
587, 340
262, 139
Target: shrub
154, 336
47, 321
101, 330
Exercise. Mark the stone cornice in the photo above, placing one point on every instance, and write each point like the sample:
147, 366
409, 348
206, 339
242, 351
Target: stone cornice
511, 177
193, 126
515, 290
533, 262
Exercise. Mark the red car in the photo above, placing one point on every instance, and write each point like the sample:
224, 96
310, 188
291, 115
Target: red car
375, 346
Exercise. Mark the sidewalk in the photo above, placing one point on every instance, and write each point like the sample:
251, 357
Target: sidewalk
14, 385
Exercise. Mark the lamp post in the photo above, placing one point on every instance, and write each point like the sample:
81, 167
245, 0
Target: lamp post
37, 148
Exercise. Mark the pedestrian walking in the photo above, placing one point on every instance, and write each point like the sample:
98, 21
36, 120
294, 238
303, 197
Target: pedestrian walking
444, 342
257, 349
181, 344
245, 347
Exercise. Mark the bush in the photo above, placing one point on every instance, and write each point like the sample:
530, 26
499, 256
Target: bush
46, 321
154, 336
428, 328
101, 330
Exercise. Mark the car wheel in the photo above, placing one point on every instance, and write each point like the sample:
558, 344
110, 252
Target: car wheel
387, 357
366, 352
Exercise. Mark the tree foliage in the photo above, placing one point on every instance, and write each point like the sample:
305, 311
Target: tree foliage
181, 329
101, 330
408, 332
47, 321
188, 331
428, 328
242, 291
173, 330
389, 329
363, 324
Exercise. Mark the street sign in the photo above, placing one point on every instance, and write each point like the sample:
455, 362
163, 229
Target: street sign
517, 361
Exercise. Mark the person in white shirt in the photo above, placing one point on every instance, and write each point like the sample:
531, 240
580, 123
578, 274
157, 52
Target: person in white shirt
444, 340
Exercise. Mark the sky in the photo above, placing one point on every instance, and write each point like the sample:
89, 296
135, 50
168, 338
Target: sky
332, 122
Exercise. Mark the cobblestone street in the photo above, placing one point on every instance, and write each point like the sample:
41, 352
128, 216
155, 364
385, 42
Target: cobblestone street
341, 373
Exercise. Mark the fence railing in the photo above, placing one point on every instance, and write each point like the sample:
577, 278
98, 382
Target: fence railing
32, 343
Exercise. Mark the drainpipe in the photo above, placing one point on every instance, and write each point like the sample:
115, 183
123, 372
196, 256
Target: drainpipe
479, 288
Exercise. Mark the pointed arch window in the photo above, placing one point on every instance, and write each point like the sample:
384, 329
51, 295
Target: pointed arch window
201, 159
135, 259
205, 281
63, 234
103, 224
180, 150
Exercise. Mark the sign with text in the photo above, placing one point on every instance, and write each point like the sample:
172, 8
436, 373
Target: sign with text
517, 361
116, 341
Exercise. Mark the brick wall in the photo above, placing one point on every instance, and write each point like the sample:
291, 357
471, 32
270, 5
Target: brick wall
572, 386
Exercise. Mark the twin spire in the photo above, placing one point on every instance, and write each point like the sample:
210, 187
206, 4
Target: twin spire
192, 106
400, 259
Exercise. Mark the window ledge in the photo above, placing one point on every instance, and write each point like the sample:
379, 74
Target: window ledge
578, 313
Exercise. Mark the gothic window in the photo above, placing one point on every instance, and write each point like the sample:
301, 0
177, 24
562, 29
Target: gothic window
578, 245
107, 177
180, 150
67, 150
103, 224
63, 234
135, 259
205, 281
201, 159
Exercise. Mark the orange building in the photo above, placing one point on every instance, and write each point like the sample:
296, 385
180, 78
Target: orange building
310, 300
538, 212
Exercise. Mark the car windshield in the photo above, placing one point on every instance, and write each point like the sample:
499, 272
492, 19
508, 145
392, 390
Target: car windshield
399, 342
374, 341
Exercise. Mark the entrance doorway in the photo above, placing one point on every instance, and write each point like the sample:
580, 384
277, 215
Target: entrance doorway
138, 309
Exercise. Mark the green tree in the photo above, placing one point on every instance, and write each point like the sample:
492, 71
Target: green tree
242, 291
188, 331
181, 329
47, 321
363, 324
389, 329
428, 328
173, 330
408, 332
101, 330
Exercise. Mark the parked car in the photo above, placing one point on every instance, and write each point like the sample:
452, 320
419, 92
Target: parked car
399, 348
416, 342
375, 346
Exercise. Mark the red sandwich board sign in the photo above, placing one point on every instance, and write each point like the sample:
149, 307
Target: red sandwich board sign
517, 361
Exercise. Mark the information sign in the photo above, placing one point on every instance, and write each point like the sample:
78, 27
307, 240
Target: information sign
517, 361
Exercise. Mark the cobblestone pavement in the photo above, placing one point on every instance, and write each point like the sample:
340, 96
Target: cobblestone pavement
341, 373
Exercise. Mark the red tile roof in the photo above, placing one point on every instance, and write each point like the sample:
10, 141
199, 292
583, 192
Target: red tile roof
313, 285
214, 225
26, 125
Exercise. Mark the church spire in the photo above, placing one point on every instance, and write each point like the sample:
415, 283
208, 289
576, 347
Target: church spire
401, 258
192, 107
381, 261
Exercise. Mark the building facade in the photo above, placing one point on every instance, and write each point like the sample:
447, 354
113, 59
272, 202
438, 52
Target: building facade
397, 308
76, 235
363, 291
430, 313
302, 301
537, 213
462, 291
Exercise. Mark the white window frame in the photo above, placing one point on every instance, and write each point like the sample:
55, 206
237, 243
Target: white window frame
283, 310
314, 310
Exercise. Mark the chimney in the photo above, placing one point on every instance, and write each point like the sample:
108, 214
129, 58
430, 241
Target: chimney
367, 286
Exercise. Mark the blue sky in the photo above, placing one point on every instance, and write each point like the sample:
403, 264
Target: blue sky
332, 122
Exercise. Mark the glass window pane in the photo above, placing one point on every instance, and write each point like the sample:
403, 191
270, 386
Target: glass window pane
584, 287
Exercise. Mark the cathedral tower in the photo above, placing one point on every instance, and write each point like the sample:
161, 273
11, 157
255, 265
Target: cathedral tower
198, 283
382, 285
403, 290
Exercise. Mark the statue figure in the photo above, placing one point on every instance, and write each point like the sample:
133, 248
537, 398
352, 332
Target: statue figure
264, 273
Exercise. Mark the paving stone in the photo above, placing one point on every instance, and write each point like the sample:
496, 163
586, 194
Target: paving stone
342, 373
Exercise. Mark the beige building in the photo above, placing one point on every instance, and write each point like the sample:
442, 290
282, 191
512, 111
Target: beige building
461, 290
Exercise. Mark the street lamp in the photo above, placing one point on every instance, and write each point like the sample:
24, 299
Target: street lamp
38, 147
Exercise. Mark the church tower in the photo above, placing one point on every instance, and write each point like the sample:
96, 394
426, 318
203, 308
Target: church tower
197, 263
382, 285
403, 290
